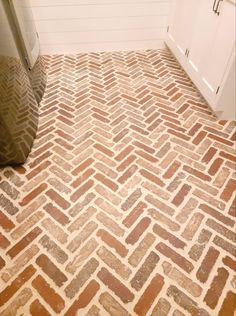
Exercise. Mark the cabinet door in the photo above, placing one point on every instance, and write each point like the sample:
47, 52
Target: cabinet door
212, 44
180, 24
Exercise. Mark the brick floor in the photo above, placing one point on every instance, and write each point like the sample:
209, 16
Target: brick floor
126, 205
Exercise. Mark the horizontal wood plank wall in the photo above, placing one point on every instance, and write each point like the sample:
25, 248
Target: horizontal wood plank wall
70, 26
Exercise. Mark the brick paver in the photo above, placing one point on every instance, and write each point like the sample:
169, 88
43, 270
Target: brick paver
126, 204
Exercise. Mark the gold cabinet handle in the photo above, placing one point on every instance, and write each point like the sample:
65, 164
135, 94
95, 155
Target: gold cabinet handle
213, 8
217, 11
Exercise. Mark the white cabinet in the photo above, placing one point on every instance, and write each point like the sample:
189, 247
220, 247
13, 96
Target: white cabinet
180, 28
201, 35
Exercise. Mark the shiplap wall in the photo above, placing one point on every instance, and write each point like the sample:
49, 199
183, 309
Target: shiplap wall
69, 26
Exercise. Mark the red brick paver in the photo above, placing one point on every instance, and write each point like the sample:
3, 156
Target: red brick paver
126, 204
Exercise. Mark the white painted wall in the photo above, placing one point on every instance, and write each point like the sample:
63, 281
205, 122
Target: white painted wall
70, 26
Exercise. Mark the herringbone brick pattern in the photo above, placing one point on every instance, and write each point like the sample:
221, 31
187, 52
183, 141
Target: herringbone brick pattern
126, 204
